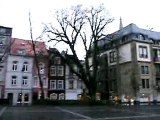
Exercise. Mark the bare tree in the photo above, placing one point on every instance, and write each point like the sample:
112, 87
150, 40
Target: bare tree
86, 26
36, 57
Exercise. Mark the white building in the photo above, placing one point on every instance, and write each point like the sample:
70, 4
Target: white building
18, 83
74, 86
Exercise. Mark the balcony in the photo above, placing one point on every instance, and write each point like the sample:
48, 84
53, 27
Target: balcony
156, 59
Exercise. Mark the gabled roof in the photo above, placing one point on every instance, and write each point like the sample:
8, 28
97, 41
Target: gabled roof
26, 45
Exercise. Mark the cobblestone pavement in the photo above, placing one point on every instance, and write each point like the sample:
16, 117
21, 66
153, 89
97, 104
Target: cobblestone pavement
149, 112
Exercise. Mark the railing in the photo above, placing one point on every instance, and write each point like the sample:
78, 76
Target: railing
156, 59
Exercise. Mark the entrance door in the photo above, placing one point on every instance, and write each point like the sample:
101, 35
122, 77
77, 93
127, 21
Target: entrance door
10, 98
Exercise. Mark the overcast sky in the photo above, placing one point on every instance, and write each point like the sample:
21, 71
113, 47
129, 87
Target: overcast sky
14, 13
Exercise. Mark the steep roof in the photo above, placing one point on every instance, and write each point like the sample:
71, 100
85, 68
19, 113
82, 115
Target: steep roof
132, 28
129, 29
26, 45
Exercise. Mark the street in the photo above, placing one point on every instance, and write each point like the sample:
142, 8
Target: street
147, 112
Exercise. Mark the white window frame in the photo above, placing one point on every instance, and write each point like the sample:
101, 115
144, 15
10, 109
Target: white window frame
36, 81
53, 96
53, 71
25, 67
60, 70
25, 80
143, 51
57, 60
14, 80
71, 84
14, 65
60, 82
61, 96
44, 81
41, 68
52, 84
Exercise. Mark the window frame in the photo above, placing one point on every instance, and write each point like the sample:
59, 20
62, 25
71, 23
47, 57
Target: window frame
53, 83
53, 71
14, 80
71, 84
60, 84
112, 56
144, 69
60, 70
24, 80
25, 67
14, 65
143, 51
57, 60
145, 83
53, 96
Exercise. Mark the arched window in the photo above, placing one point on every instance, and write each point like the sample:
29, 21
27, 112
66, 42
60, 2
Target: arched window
53, 96
61, 96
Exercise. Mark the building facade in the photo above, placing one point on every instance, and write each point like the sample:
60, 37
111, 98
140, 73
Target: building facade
74, 85
56, 82
133, 63
5, 44
21, 72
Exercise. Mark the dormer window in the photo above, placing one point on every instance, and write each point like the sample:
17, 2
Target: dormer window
57, 60
140, 37
2, 40
21, 51
124, 38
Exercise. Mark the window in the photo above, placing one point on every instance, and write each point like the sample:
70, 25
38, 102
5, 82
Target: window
60, 84
21, 52
3, 39
53, 84
53, 96
57, 60
145, 83
24, 80
14, 66
143, 53
19, 97
36, 82
60, 71
2, 30
71, 84
144, 70
26, 97
53, 71
44, 81
70, 72
14, 80
141, 37
157, 68
41, 68
61, 96
112, 56
25, 67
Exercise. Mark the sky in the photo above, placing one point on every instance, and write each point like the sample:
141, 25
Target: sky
14, 13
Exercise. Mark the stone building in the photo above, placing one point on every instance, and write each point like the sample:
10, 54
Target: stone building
133, 56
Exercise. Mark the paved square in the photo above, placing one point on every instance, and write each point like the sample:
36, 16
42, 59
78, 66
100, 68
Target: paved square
80, 113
